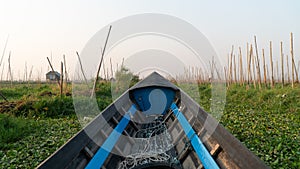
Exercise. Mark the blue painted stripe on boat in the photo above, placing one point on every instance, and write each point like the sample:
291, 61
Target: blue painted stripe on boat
201, 151
99, 158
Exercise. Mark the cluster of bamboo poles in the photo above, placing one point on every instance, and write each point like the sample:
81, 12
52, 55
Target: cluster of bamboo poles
250, 69
9, 77
194, 74
201, 75
9, 72
262, 75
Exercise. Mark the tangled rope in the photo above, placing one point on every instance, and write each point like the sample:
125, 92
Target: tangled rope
151, 146
141, 159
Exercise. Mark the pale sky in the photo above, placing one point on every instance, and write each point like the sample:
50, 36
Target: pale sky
36, 28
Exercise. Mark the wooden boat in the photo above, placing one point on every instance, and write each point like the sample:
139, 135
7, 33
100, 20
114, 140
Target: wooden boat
153, 125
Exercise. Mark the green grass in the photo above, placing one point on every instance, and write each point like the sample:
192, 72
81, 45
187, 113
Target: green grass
37, 121
21, 91
13, 129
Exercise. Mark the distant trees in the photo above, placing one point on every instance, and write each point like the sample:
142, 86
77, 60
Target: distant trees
124, 80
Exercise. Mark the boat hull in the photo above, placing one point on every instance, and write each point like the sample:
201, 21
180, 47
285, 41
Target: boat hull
182, 135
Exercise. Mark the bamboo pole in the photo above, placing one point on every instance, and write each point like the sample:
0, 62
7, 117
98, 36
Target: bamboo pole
61, 78
53, 70
288, 70
66, 72
241, 68
25, 72
272, 70
253, 67
111, 68
4, 49
292, 55
199, 75
9, 69
202, 76
2, 71
282, 67
293, 61
30, 73
193, 74
217, 71
230, 68
234, 62
101, 60
257, 65
104, 71
277, 72
122, 65
188, 74
268, 73
50, 59
211, 69
107, 78
228, 64
248, 65
81, 68
264, 66
50, 64
226, 81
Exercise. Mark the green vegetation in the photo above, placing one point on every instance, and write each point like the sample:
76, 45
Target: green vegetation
12, 129
32, 141
124, 80
267, 121
34, 123
37, 121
